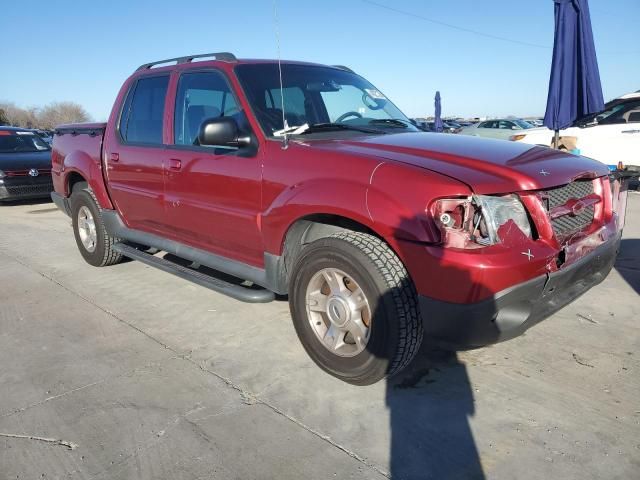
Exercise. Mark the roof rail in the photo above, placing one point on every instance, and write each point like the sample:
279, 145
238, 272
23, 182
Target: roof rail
342, 67
222, 56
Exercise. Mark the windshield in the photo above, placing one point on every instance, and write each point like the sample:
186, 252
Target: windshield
317, 96
616, 111
16, 141
522, 124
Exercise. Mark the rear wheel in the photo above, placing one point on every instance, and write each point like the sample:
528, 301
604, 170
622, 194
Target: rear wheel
93, 241
355, 308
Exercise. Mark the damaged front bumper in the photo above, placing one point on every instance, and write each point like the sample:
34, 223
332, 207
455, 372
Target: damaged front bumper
510, 312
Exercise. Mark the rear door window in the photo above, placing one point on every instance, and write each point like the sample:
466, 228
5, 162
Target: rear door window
141, 120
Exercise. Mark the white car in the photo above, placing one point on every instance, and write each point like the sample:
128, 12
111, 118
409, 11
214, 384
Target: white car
501, 128
611, 136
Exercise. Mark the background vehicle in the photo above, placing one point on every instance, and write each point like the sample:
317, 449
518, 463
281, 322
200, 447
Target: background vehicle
45, 135
611, 136
429, 126
497, 128
25, 165
338, 201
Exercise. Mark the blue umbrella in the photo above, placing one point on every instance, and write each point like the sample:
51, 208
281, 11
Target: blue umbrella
574, 85
437, 121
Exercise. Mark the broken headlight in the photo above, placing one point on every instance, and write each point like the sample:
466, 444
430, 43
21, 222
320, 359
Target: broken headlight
496, 211
476, 221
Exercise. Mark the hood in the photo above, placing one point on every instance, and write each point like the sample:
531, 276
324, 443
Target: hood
485, 165
25, 160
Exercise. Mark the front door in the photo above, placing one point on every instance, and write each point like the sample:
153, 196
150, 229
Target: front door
213, 195
135, 157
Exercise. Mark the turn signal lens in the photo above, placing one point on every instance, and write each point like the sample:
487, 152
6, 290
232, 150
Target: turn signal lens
515, 138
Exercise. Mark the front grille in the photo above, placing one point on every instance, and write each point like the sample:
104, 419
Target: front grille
28, 190
557, 197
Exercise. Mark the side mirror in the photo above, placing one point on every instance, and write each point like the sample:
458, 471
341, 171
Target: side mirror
514, 127
222, 132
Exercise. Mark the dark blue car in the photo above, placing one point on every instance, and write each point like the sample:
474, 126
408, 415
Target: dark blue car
25, 165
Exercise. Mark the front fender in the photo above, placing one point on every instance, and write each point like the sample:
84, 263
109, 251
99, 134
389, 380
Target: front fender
398, 198
326, 196
91, 170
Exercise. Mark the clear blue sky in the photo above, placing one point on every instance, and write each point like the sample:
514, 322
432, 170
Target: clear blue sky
83, 50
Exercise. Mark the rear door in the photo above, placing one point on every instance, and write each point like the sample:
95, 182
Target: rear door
213, 194
135, 159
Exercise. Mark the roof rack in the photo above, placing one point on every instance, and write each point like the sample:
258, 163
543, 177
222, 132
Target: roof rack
342, 67
222, 56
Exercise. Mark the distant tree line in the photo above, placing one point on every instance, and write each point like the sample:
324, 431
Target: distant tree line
45, 118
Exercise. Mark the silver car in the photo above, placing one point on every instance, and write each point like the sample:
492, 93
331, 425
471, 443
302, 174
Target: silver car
496, 128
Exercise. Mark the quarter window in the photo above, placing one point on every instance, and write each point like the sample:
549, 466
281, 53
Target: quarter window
201, 95
141, 120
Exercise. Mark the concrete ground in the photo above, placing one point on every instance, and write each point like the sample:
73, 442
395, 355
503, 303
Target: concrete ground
148, 376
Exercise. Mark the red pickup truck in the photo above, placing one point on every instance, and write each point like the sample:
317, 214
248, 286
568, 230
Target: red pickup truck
304, 180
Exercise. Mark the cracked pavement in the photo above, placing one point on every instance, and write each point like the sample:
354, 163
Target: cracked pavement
153, 377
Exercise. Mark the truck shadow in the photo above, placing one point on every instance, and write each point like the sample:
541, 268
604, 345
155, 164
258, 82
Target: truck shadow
431, 402
628, 262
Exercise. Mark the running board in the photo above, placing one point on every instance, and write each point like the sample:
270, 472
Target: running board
244, 294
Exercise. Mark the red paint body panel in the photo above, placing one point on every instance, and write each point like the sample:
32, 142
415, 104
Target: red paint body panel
80, 154
241, 207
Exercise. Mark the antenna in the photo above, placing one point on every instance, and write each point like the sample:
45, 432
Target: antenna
285, 126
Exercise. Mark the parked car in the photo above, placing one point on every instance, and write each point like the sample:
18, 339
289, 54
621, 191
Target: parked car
536, 122
25, 165
377, 232
430, 126
610, 136
497, 128
45, 135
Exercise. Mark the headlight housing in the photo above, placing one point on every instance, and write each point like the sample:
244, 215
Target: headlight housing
2, 174
496, 211
475, 222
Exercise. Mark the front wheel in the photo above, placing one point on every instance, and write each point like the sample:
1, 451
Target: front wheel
355, 308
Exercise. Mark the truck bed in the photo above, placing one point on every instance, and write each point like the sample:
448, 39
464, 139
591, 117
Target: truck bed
75, 144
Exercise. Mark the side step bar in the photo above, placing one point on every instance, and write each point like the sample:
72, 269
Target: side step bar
238, 292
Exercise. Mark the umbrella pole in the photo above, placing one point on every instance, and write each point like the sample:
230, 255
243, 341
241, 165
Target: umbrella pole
556, 139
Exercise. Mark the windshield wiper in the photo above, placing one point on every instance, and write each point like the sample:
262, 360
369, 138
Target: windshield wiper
294, 130
392, 122
325, 127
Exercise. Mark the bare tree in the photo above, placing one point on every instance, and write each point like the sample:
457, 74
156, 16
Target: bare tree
19, 117
58, 113
46, 118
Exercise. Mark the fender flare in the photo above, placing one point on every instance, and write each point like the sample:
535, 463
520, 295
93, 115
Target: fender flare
84, 165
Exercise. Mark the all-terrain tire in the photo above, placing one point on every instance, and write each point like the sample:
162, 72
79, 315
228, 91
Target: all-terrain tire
102, 254
395, 328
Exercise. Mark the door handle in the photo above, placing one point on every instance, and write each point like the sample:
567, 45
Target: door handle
114, 157
175, 164
630, 131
